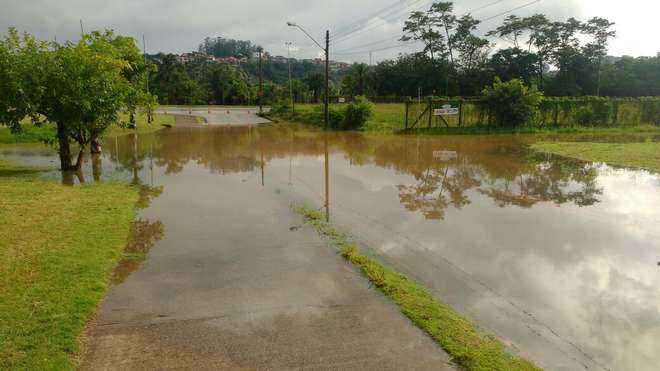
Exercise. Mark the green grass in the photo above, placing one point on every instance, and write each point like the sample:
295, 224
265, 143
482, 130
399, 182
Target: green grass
644, 155
33, 134
29, 134
386, 117
470, 349
58, 248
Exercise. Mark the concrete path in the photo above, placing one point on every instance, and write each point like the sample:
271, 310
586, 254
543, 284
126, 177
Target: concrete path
235, 116
238, 283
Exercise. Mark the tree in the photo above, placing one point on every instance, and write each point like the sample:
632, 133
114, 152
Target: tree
514, 63
316, 83
20, 73
358, 80
84, 90
420, 27
599, 29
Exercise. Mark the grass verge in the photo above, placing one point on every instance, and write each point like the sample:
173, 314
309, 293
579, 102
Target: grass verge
470, 349
58, 248
35, 134
644, 155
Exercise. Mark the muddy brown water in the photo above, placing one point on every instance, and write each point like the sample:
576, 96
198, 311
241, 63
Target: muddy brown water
558, 258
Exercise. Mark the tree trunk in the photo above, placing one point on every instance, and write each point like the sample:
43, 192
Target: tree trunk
65, 149
80, 159
95, 146
97, 167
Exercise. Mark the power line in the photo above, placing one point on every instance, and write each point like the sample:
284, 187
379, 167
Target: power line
381, 21
358, 23
352, 51
509, 11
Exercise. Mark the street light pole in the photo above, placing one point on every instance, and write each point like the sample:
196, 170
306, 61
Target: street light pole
326, 50
327, 78
293, 101
261, 87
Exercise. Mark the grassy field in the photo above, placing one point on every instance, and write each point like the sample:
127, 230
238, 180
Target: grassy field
644, 155
470, 349
34, 134
386, 118
58, 248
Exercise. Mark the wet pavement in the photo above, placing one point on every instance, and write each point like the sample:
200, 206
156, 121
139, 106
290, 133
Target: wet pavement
219, 116
558, 258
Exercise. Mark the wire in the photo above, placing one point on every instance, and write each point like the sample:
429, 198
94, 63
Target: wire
509, 11
353, 51
344, 29
381, 21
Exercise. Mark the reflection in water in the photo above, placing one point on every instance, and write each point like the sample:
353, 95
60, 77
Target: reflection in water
143, 236
552, 255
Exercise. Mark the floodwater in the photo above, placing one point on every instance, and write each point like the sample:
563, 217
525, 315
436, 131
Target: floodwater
558, 258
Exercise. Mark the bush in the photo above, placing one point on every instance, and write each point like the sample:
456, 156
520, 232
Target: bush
357, 113
511, 103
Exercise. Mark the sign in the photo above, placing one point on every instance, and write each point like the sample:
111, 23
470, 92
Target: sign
342, 100
260, 93
445, 155
446, 110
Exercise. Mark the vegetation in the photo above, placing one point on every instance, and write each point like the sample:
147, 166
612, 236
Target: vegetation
80, 88
470, 349
55, 262
645, 155
30, 133
511, 104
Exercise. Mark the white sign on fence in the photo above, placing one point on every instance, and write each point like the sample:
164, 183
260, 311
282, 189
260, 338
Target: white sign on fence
342, 100
446, 110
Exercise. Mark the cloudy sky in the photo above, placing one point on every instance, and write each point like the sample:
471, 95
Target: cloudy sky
360, 26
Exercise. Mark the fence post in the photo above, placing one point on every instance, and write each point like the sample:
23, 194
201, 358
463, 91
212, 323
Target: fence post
430, 113
460, 113
407, 111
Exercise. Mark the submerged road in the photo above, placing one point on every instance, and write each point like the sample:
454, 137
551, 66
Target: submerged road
220, 116
238, 282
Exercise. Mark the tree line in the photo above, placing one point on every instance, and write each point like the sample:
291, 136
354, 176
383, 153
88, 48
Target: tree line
561, 58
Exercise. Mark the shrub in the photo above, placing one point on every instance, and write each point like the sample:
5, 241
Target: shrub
357, 113
511, 103
335, 117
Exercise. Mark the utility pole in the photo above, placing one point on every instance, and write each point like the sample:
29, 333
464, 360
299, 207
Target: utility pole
293, 101
370, 58
327, 79
82, 30
261, 88
146, 83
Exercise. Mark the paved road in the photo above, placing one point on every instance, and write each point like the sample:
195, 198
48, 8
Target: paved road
233, 286
234, 116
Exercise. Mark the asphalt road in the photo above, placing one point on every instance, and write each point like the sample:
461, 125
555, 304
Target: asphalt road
239, 283
220, 116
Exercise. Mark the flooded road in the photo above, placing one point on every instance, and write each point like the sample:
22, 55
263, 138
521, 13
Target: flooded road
558, 258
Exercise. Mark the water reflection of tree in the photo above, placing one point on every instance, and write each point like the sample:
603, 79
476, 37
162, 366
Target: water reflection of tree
499, 168
143, 237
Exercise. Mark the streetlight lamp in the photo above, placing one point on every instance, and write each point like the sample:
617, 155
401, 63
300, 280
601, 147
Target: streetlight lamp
326, 50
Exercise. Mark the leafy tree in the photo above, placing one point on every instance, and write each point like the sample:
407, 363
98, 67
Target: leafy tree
514, 63
599, 29
358, 80
84, 90
420, 27
20, 72
316, 83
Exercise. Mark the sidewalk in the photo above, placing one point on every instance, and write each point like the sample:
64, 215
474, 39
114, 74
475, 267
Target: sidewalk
233, 286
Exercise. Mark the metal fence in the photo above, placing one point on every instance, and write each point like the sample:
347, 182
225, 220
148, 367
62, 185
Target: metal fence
553, 112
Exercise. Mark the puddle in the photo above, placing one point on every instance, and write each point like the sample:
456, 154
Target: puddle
558, 258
